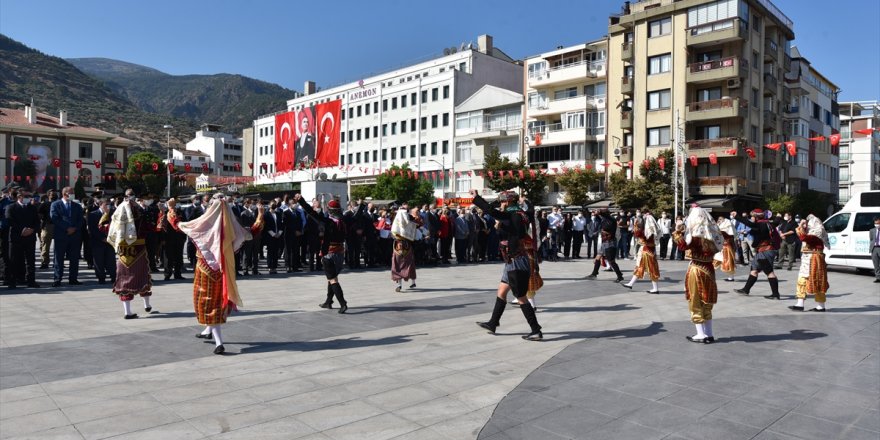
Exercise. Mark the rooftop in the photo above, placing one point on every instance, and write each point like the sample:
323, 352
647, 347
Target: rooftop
11, 118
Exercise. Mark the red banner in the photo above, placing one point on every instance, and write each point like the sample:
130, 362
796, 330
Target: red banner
693, 160
774, 147
118, 164
817, 138
170, 167
713, 158
285, 141
97, 164
791, 147
835, 139
78, 164
328, 115
138, 165
751, 152
662, 162
155, 166
57, 163
187, 167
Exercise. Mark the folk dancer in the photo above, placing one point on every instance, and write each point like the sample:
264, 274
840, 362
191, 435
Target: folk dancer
332, 248
403, 229
726, 259
766, 249
647, 232
516, 272
127, 232
700, 238
813, 273
608, 250
217, 235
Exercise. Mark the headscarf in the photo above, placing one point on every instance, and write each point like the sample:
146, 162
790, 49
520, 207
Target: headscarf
726, 226
122, 227
700, 224
651, 228
817, 229
218, 236
402, 227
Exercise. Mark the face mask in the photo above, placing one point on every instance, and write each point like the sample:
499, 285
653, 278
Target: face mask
197, 203
877, 225
65, 196
148, 202
787, 218
26, 200
132, 199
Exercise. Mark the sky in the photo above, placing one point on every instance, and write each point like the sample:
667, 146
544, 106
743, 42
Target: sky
333, 42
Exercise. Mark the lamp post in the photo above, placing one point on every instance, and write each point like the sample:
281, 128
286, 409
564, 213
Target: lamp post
168, 155
442, 175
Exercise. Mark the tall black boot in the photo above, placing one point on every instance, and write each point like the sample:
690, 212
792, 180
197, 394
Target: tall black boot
495, 320
529, 312
328, 304
596, 266
337, 289
774, 288
617, 272
748, 287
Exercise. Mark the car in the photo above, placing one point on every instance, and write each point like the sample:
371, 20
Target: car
848, 232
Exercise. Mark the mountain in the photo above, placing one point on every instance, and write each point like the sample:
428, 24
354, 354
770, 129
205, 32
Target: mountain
54, 84
232, 101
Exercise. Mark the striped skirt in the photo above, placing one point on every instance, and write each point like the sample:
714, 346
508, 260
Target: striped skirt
208, 295
403, 261
647, 262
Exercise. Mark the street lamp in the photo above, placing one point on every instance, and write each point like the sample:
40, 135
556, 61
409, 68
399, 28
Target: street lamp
168, 155
442, 175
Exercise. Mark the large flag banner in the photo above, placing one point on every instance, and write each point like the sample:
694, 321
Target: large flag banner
328, 117
305, 136
285, 142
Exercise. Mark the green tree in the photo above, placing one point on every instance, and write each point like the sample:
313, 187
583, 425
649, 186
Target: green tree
653, 190
577, 183
79, 189
812, 202
396, 185
361, 192
532, 186
782, 203
146, 179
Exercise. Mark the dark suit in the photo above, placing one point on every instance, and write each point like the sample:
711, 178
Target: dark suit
292, 220
249, 248
102, 253
174, 241
64, 216
22, 249
875, 251
191, 213
272, 223
305, 149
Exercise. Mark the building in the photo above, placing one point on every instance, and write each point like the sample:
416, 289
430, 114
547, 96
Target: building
708, 78
224, 150
859, 152
52, 152
405, 116
811, 112
565, 111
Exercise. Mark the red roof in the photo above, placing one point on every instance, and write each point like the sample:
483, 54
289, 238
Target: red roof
15, 118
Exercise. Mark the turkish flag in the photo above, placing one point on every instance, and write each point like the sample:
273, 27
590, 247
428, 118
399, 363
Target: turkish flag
118, 164
693, 160
522, 174
589, 166
538, 139
97, 164
731, 151
645, 163
791, 147
170, 167
662, 162
713, 159
532, 174
835, 139
285, 142
751, 152
187, 167
205, 167
155, 166
817, 138
865, 131
774, 147
491, 174
510, 173
14, 157
237, 166
138, 165
57, 163
78, 163
629, 164
328, 115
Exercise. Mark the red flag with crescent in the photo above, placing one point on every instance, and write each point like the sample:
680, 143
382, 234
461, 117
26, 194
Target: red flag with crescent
662, 162
57, 163
589, 166
629, 164
491, 174
205, 167
774, 147
328, 115
817, 138
835, 139
155, 166
250, 165
14, 157
187, 167
170, 167
646, 162
532, 174
433, 175
97, 164
751, 152
78, 164
118, 164
522, 174
713, 158
538, 139
791, 147
731, 151
285, 142
693, 160
865, 131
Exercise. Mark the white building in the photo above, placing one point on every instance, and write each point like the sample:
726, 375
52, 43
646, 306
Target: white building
859, 152
403, 116
223, 150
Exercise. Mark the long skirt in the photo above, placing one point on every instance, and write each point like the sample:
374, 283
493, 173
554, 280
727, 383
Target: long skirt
132, 272
812, 276
647, 261
208, 295
403, 262
700, 291
727, 263
535, 280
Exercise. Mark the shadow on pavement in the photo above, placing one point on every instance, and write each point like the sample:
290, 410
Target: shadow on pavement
366, 310
334, 344
651, 330
615, 308
793, 335
157, 314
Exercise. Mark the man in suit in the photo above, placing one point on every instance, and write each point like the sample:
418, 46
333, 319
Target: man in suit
193, 212
102, 252
305, 145
5, 201
24, 226
272, 233
294, 221
46, 228
67, 218
875, 248
174, 240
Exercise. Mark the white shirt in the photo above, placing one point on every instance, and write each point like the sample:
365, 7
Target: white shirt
555, 220
665, 225
578, 223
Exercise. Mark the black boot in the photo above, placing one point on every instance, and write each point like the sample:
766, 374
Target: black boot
343, 305
596, 266
748, 287
328, 304
616, 271
495, 320
529, 312
774, 288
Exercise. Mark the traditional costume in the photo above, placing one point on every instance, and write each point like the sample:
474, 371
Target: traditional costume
517, 269
647, 232
217, 235
531, 243
608, 250
765, 254
403, 262
813, 273
127, 232
701, 240
332, 250
726, 259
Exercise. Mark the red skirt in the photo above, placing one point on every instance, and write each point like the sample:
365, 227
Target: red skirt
403, 261
133, 270
208, 295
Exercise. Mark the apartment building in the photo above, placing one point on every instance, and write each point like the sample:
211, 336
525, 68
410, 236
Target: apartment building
812, 112
859, 151
565, 111
705, 77
403, 116
223, 150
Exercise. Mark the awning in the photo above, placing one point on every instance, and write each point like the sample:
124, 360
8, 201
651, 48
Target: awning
601, 204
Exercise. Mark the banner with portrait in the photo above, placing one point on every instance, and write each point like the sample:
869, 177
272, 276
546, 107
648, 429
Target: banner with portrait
308, 137
34, 168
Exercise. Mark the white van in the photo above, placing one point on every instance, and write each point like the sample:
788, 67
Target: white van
848, 229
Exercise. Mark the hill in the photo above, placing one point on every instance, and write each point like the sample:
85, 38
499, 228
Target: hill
232, 101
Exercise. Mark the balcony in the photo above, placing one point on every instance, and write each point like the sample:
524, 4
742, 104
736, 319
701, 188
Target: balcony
567, 74
626, 50
786, 62
626, 120
626, 85
769, 156
489, 130
565, 105
561, 134
718, 32
718, 186
717, 109
770, 121
703, 148
770, 84
771, 50
799, 172
770, 189
730, 67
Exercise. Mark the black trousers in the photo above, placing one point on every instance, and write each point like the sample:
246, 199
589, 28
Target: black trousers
291, 251
5, 264
664, 243
105, 260
566, 244
592, 246
461, 245
446, 248
22, 256
251, 261
273, 250
152, 242
173, 255
577, 241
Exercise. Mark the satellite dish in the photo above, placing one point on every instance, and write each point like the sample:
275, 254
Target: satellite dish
322, 176
446, 51
462, 47
453, 50
334, 177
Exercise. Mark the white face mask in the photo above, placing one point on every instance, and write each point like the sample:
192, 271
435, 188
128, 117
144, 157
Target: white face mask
148, 202
877, 225
26, 200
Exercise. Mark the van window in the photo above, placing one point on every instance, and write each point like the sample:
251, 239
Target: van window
870, 199
864, 221
838, 223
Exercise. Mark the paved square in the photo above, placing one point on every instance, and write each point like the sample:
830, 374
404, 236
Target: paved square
412, 365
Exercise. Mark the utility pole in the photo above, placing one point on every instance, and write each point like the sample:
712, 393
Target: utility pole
168, 155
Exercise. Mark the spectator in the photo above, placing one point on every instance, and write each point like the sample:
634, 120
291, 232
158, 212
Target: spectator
578, 230
665, 224
593, 228
67, 218
788, 231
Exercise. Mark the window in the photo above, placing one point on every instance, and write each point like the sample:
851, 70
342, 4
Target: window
462, 66
423, 150
394, 103
351, 112
376, 107
85, 150
367, 109
578, 151
393, 153
384, 105
350, 135
367, 132
445, 147
570, 92
412, 151
110, 156
574, 120
756, 97
434, 121
708, 94
838, 223
342, 136
433, 148
463, 151
598, 90
384, 154
629, 71
550, 153
424, 96
660, 27
815, 111
658, 100
445, 92
358, 133
756, 60
463, 183
659, 64
384, 130
709, 56
754, 134
350, 161
446, 119
393, 128
412, 98
357, 158
376, 131
658, 136
403, 101
403, 152
434, 94
424, 123
403, 126
359, 111
412, 124
864, 222
375, 153
537, 100
709, 132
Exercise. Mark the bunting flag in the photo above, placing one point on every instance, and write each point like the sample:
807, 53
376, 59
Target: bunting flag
490, 174
170, 167
433, 175
694, 160
589, 166
138, 165
554, 170
791, 147
510, 173
751, 152
618, 164
79, 164
835, 139
774, 147
118, 164
629, 164
817, 138
538, 139
14, 157
97, 164
522, 174
187, 167
865, 131
532, 174
250, 165
237, 166
645, 163
713, 158
156, 166
732, 151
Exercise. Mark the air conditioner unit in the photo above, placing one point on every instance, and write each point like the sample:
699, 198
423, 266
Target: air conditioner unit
733, 83
600, 101
618, 151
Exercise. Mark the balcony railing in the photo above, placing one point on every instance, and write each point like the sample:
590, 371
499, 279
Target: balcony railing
626, 120
626, 49
770, 83
551, 128
626, 85
769, 119
700, 144
717, 64
592, 68
715, 104
771, 49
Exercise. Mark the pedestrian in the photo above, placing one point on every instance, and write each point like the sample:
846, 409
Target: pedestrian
446, 234
700, 235
788, 231
102, 252
745, 242
127, 234
608, 251
332, 248
252, 220
294, 222
5, 263
516, 272
386, 243
174, 240
736, 238
593, 229
403, 229
461, 237
23, 226
647, 231
273, 231
665, 224
725, 259
622, 236
67, 218
47, 231
766, 248
813, 272
578, 230
874, 236
676, 253
566, 233
554, 223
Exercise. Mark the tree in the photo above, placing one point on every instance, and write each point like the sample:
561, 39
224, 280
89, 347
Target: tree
782, 203
812, 202
146, 179
653, 190
79, 189
577, 183
361, 192
396, 184
532, 182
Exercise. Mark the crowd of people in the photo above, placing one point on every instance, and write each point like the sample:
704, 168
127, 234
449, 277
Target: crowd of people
126, 237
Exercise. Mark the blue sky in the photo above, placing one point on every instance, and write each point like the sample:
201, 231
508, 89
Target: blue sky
288, 42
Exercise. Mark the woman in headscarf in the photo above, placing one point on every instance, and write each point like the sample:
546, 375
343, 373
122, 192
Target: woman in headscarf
813, 274
403, 229
647, 232
217, 235
127, 232
726, 259
332, 248
700, 238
